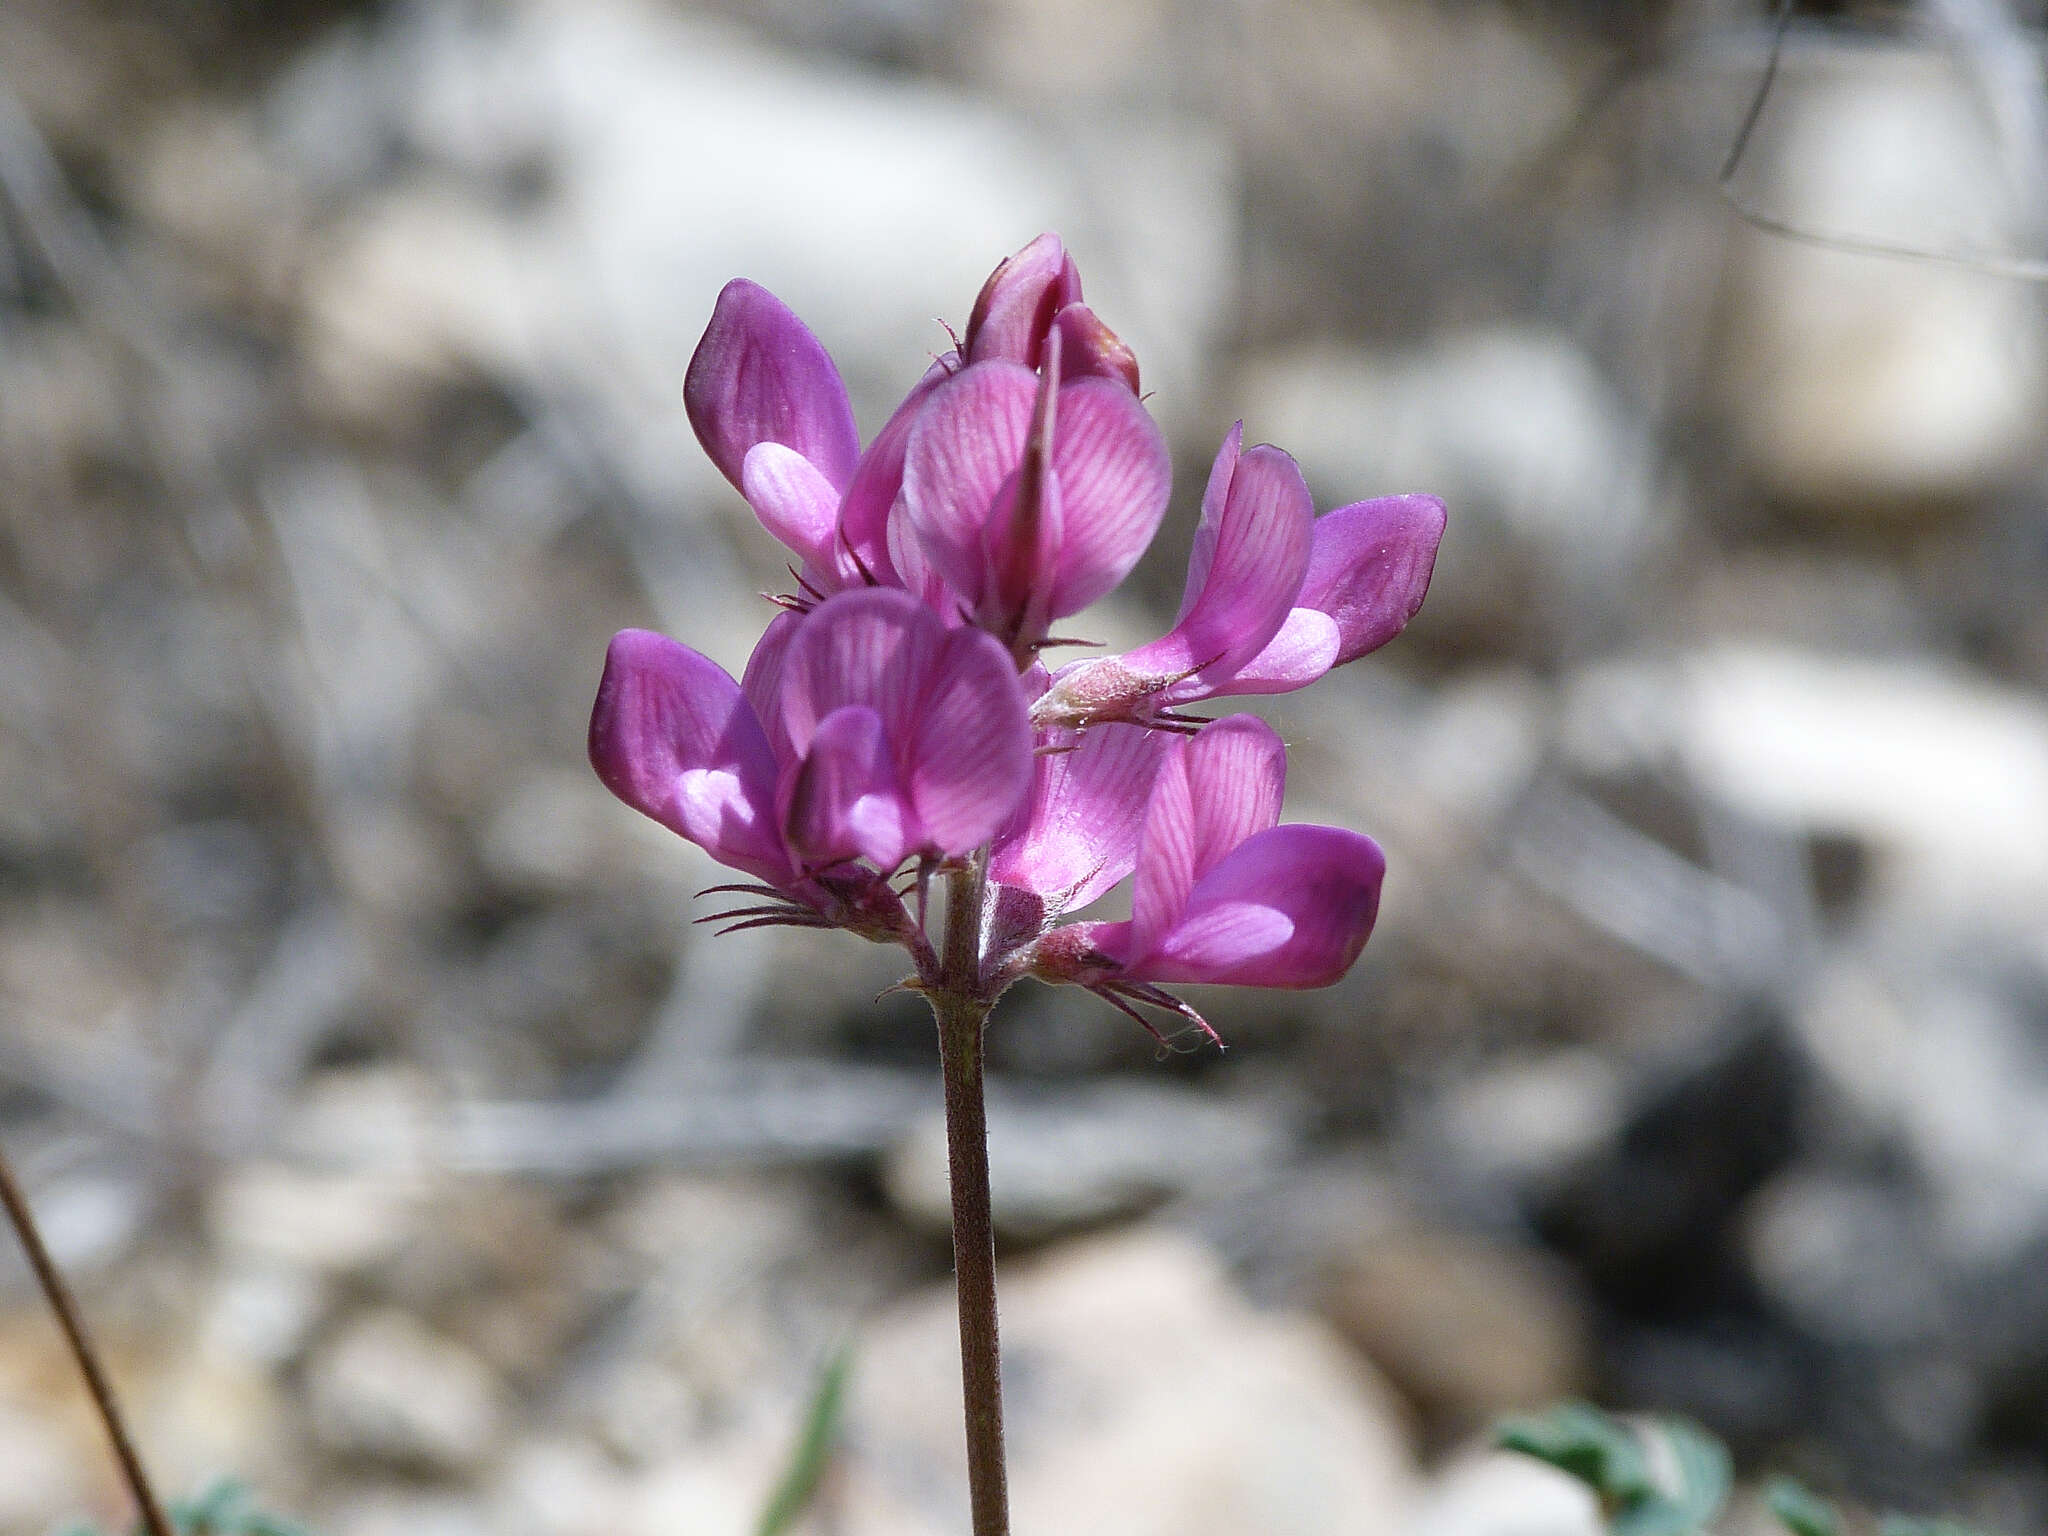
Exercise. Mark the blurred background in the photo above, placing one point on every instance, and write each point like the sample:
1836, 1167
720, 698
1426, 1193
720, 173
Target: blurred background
421, 1163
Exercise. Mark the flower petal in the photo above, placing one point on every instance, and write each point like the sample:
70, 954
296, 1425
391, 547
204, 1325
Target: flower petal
1237, 775
1371, 567
673, 736
970, 755
1021, 540
794, 501
967, 442
1304, 650
878, 481
1076, 834
874, 647
949, 702
1090, 348
1215, 496
762, 680
1291, 907
916, 574
1166, 858
1015, 307
845, 801
1217, 789
1255, 565
1114, 476
760, 376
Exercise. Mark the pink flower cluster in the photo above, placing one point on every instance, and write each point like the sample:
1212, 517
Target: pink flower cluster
896, 719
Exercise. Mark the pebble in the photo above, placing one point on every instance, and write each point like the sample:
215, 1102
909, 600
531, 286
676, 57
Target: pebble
1498, 1494
387, 1389
1858, 385
1517, 429
45, 1479
1467, 1327
1939, 768
1145, 1397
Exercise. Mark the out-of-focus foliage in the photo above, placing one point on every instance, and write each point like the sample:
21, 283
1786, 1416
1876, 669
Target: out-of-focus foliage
1666, 1477
811, 1456
228, 1508
1800, 1510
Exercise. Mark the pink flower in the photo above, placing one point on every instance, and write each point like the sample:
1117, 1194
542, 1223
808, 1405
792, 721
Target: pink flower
1223, 892
1275, 596
897, 719
1033, 296
866, 733
1030, 497
770, 409
1076, 833
1075, 511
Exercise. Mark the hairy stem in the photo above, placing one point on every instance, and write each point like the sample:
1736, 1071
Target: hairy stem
66, 1307
962, 1012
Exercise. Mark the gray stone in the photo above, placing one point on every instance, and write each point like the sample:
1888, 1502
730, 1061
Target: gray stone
1847, 1261
1522, 1124
46, 1479
387, 1389
1860, 384
1497, 1494
638, 114
1467, 1327
1144, 1398
1515, 428
1942, 773
1954, 1073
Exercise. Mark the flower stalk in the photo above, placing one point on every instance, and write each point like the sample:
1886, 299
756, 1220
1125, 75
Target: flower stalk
962, 1013
150, 1509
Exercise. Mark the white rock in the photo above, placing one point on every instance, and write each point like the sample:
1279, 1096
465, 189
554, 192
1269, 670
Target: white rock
262, 1312
723, 1488
560, 1488
45, 1479
1946, 773
1509, 424
406, 1512
1955, 1076
1520, 1122
680, 153
389, 1390
1855, 380
1497, 1494
378, 311
1842, 1259
291, 1219
1144, 1398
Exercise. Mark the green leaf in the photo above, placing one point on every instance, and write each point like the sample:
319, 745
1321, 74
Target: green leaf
813, 1451
1700, 1469
1580, 1440
225, 1509
1615, 1461
1654, 1516
1800, 1510
228, 1509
